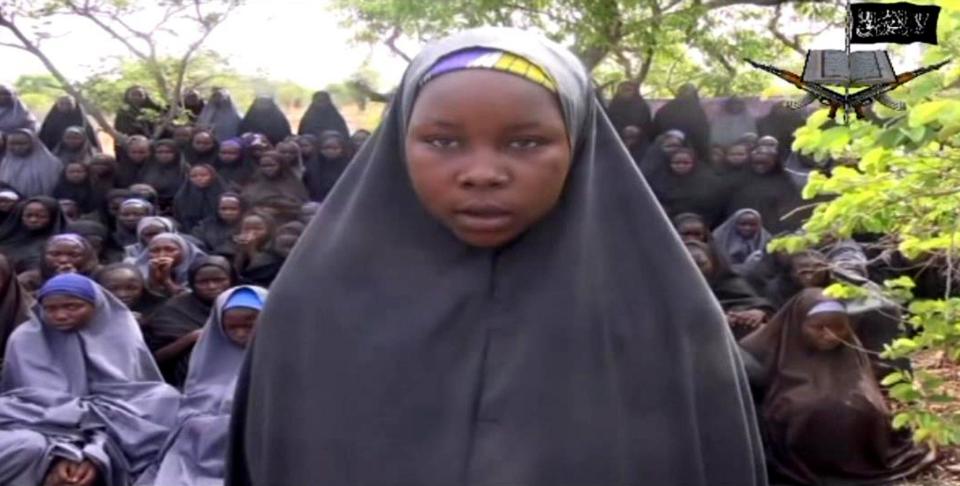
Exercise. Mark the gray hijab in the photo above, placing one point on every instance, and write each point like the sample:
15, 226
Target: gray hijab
16, 116
189, 251
732, 247
94, 394
196, 452
590, 351
224, 119
34, 175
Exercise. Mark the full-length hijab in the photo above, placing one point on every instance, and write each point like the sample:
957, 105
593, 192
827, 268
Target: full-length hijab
321, 117
265, 117
195, 453
823, 415
180, 273
82, 154
165, 178
14, 303
90, 394
193, 204
392, 353
17, 115
35, 174
223, 117
58, 121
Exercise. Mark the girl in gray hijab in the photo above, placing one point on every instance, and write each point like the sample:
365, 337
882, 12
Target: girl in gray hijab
490, 295
740, 236
81, 400
196, 452
14, 115
28, 165
220, 115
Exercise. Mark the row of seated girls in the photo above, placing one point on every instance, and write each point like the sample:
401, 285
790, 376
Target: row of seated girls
83, 402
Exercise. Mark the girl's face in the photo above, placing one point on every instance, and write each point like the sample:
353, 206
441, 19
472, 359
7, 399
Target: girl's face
487, 167
359, 138
826, 331
76, 173
65, 256
306, 147
671, 145
808, 271
150, 231
290, 152
229, 210
137, 96
285, 242
64, 103
166, 248
229, 153
138, 152
270, 167
201, 177
692, 230
210, 282
113, 206
239, 323
70, 209
20, 144
183, 135
124, 284
203, 142
255, 229
36, 217
7, 205
630, 135
748, 225
257, 150
681, 163
100, 169
165, 154
702, 260
131, 215
736, 156
73, 140
66, 313
331, 149
763, 162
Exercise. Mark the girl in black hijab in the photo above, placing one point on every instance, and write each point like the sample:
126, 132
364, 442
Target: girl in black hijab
74, 147
690, 187
125, 282
165, 172
203, 149
769, 190
217, 232
257, 261
132, 158
66, 113
75, 185
14, 303
684, 113
103, 173
9, 197
192, 104
265, 117
23, 235
99, 237
326, 169
198, 197
322, 115
174, 328
628, 108
275, 181
139, 114
516, 272
232, 165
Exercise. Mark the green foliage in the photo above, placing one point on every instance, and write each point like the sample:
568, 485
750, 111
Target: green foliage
682, 40
905, 183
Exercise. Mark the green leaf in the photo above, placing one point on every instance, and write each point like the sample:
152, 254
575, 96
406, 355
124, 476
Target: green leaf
892, 378
926, 112
901, 420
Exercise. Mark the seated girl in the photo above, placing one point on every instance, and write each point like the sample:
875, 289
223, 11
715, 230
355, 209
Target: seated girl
125, 282
166, 262
740, 236
81, 400
68, 253
175, 327
195, 453
822, 414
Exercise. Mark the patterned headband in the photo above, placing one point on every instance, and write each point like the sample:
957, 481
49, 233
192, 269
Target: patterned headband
486, 58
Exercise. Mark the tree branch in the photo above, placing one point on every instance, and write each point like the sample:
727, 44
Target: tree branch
774, 28
715, 4
391, 43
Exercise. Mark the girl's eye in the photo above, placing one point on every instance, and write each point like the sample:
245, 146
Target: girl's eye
525, 144
443, 143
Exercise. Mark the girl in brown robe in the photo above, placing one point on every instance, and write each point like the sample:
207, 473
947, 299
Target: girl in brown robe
822, 414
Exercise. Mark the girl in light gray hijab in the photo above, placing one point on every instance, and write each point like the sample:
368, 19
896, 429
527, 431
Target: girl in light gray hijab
220, 115
29, 166
491, 295
14, 115
80, 396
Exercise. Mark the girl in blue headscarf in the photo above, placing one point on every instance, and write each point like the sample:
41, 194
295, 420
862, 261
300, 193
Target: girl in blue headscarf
81, 400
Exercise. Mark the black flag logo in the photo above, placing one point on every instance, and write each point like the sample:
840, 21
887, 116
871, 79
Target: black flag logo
900, 23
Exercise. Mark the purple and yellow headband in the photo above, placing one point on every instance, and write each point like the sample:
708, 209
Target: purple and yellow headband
497, 60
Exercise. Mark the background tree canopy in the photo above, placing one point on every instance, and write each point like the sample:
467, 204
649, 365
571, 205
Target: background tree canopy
663, 43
